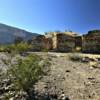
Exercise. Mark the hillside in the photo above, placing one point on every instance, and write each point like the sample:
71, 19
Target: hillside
9, 33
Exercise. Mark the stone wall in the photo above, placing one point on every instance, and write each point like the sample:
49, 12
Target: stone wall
91, 43
65, 43
53, 36
41, 43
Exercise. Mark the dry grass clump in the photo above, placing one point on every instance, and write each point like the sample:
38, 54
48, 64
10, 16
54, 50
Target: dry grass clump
75, 57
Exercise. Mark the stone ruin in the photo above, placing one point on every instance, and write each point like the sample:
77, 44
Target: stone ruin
91, 42
68, 42
62, 41
65, 42
41, 43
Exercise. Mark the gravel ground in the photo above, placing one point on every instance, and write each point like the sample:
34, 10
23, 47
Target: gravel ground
70, 80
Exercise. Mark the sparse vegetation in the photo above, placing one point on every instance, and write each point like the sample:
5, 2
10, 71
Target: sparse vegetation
22, 47
17, 48
21, 81
25, 73
75, 57
45, 50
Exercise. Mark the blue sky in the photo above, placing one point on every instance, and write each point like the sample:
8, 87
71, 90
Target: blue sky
51, 15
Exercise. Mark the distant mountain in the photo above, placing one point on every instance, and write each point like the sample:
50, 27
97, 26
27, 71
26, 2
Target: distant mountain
8, 34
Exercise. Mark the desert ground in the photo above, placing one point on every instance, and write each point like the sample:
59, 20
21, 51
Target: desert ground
67, 79
71, 80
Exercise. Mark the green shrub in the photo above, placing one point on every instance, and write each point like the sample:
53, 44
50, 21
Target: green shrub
7, 48
22, 47
26, 72
45, 50
10, 48
1, 49
17, 48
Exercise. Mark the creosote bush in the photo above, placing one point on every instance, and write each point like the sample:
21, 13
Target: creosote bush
23, 47
25, 73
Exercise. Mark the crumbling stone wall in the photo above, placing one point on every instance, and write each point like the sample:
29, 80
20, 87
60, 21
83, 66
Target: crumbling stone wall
41, 43
48, 43
65, 43
91, 43
53, 36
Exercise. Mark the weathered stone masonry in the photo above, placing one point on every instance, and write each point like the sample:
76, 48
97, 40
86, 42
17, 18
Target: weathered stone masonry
91, 43
68, 42
65, 43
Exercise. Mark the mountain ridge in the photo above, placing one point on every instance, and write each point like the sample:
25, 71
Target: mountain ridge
9, 33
